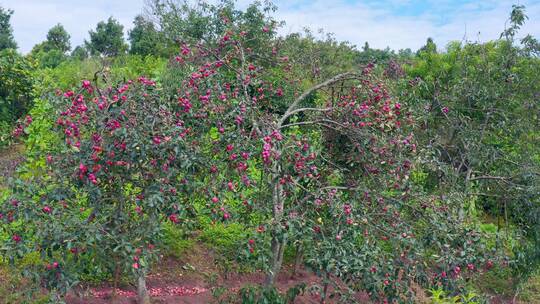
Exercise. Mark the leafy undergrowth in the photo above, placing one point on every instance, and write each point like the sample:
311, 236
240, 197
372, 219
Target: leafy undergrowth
14, 290
196, 276
10, 157
531, 290
200, 269
501, 287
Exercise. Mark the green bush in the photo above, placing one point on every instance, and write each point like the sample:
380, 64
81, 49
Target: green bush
5, 133
175, 240
69, 73
439, 296
224, 237
16, 88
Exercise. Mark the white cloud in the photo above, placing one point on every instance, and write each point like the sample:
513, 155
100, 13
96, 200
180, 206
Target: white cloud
33, 18
359, 22
356, 22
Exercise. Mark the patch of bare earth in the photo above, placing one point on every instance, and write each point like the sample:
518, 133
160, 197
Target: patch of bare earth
192, 278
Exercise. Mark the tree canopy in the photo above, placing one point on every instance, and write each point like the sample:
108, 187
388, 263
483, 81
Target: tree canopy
108, 39
7, 41
58, 39
144, 38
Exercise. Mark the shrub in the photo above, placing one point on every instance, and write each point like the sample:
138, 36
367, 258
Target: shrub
16, 86
120, 173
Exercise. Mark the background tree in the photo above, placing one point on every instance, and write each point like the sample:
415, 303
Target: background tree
478, 106
144, 38
371, 55
181, 21
318, 58
108, 39
405, 53
58, 39
79, 52
6, 31
429, 47
51, 52
16, 85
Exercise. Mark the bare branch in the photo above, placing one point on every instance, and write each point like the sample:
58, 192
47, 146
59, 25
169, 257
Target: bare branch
314, 122
310, 109
503, 178
329, 82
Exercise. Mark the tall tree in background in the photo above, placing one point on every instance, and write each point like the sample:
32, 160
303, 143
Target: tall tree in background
80, 52
430, 47
16, 83
144, 38
6, 30
51, 52
371, 55
107, 39
58, 39
478, 107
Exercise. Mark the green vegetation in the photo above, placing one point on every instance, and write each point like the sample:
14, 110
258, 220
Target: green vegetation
108, 39
405, 176
7, 40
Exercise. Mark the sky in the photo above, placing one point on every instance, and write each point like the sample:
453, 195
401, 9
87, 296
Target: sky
398, 24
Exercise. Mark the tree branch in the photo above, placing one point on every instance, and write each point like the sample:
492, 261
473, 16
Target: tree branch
489, 177
331, 81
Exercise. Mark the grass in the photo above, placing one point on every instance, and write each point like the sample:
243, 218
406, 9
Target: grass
15, 290
176, 242
224, 238
530, 292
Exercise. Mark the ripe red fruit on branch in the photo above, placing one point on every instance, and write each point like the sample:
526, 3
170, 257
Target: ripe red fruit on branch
16, 238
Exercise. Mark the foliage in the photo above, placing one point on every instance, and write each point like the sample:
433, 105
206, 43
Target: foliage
79, 53
370, 55
180, 21
418, 172
478, 106
6, 30
145, 39
58, 39
278, 155
47, 59
223, 237
108, 39
41, 139
429, 48
16, 86
439, 296
317, 59
258, 295
118, 176
15, 289
175, 240
51, 52
114, 70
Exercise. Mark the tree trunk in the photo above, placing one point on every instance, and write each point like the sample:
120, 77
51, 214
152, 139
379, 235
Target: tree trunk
278, 242
142, 291
298, 260
116, 281
278, 247
325, 288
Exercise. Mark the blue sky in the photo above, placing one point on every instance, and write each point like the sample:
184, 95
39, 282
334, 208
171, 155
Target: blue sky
394, 23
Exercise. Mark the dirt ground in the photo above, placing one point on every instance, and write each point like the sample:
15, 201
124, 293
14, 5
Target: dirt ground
192, 279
